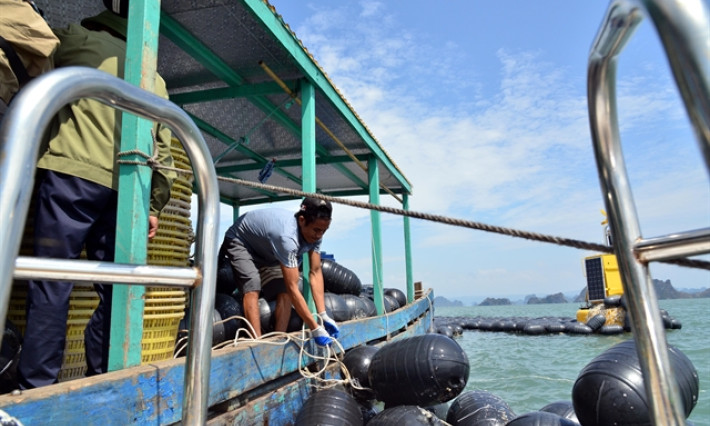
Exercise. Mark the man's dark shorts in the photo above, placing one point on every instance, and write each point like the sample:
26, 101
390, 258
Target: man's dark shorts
250, 278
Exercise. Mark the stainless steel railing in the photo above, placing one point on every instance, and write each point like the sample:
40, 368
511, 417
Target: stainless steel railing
20, 134
684, 30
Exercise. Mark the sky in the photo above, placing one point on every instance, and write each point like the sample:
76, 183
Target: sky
482, 105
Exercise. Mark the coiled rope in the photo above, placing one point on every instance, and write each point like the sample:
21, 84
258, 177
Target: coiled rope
248, 334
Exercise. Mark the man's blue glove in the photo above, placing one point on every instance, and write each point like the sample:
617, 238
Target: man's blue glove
321, 337
329, 325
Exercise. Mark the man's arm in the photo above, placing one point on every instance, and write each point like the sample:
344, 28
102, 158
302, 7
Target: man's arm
318, 288
315, 277
291, 276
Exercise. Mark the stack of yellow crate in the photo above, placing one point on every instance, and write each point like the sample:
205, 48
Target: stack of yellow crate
165, 307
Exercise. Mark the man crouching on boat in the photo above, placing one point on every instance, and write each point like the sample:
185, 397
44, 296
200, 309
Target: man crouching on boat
265, 248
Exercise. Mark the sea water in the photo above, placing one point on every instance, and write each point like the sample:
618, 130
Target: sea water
529, 372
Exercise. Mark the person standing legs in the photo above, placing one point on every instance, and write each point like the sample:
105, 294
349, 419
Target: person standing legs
67, 207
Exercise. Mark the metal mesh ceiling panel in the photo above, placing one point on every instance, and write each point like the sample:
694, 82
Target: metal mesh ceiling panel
210, 55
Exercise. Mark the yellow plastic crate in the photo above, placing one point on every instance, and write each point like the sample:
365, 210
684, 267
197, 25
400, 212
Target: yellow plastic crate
183, 205
168, 260
177, 219
159, 334
166, 241
71, 372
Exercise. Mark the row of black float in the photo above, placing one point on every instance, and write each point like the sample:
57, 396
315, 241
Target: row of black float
452, 326
422, 381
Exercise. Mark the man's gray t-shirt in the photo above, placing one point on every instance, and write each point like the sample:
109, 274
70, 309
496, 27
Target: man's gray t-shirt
271, 236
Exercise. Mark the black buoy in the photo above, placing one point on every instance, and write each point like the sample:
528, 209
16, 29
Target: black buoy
574, 327
479, 408
520, 323
218, 335
534, 328
390, 303
336, 307
225, 279
370, 308
357, 360
410, 415
367, 290
486, 324
471, 323
339, 279
228, 307
356, 307
446, 330
541, 418
611, 329
330, 407
610, 389
398, 295
612, 301
420, 370
507, 325
596, 322
555, 327
676, 324
497, 325
666, 318
563, 409
266, 318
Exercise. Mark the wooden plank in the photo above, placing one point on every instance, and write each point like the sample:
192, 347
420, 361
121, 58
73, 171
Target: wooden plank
117, 398
279, 406
152, 394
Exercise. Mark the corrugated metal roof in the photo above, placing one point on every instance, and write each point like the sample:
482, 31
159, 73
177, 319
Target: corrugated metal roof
215, 57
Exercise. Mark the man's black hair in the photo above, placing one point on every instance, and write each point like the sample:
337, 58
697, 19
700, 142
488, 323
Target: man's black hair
314, 208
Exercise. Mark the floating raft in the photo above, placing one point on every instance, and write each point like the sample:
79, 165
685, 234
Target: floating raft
599, 323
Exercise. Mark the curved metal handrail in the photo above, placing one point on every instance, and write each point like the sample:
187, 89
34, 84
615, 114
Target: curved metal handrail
684, 30
20, 134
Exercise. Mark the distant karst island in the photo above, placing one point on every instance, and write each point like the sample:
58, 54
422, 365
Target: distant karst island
664, 290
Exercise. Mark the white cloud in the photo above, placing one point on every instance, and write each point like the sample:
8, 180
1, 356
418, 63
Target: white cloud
521, 157
371, 8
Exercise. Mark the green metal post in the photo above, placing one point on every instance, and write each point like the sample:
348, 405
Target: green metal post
373, 174
308, 154
235, 211
408, 251
134, 188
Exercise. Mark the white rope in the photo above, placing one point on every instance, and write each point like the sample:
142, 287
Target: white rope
247, 335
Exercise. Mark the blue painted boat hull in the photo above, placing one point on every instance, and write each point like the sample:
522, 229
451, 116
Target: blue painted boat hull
253, 383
